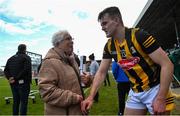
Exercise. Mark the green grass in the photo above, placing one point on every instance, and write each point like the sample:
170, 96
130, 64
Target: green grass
107, 105
108, 102
6, 109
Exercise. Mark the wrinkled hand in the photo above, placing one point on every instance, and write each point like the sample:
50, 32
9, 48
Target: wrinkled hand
86, 78
86, 105
11, 80
159, 106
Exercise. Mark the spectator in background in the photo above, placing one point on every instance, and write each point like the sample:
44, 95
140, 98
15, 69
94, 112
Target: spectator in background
18, 72
77, 59
88, 66
36, 80
38, 69
59, 79
123, 85
93, 69
107, 81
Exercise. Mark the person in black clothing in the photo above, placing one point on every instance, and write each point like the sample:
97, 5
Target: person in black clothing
18, 72
107, 79
77, 59
38, 69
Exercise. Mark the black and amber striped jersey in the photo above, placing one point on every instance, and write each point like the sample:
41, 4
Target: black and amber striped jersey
132, 56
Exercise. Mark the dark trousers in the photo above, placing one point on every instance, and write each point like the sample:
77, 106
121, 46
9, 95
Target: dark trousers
96, 97
107, 79
123, 90
20, 98
36, 81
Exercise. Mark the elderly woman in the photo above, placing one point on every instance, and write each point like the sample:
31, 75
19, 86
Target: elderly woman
59, 82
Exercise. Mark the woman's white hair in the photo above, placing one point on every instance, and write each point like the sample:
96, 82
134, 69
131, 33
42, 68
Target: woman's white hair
58, 37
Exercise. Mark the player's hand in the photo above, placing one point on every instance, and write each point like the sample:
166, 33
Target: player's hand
159, 106
86, 105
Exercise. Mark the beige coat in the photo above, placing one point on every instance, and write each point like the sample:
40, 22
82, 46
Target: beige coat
59, 85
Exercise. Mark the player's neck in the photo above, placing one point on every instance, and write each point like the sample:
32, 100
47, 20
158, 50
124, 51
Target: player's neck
121, 34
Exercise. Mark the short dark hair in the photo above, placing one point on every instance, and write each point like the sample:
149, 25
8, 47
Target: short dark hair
91, 57
111, 11
21, 48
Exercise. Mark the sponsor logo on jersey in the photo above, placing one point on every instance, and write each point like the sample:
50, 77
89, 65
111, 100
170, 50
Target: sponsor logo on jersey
127, 64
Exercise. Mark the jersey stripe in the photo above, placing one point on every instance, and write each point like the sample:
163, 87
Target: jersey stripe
150, 43
138, 83
149, 39
142, 74
118, 50
140, 51
131, 78
138, 69
146, 63
109, 46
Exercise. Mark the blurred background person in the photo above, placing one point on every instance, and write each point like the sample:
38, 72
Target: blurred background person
77, 59
123, 86
107, 81
93, 69
18, 72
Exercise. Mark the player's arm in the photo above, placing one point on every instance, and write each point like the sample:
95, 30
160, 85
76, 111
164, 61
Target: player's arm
159, 56
99, 77
98, 80
151, 47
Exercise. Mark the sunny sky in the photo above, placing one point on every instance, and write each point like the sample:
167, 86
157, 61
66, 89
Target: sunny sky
33, 22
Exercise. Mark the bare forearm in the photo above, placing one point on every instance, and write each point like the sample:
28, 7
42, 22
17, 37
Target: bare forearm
98, 80
165, 79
